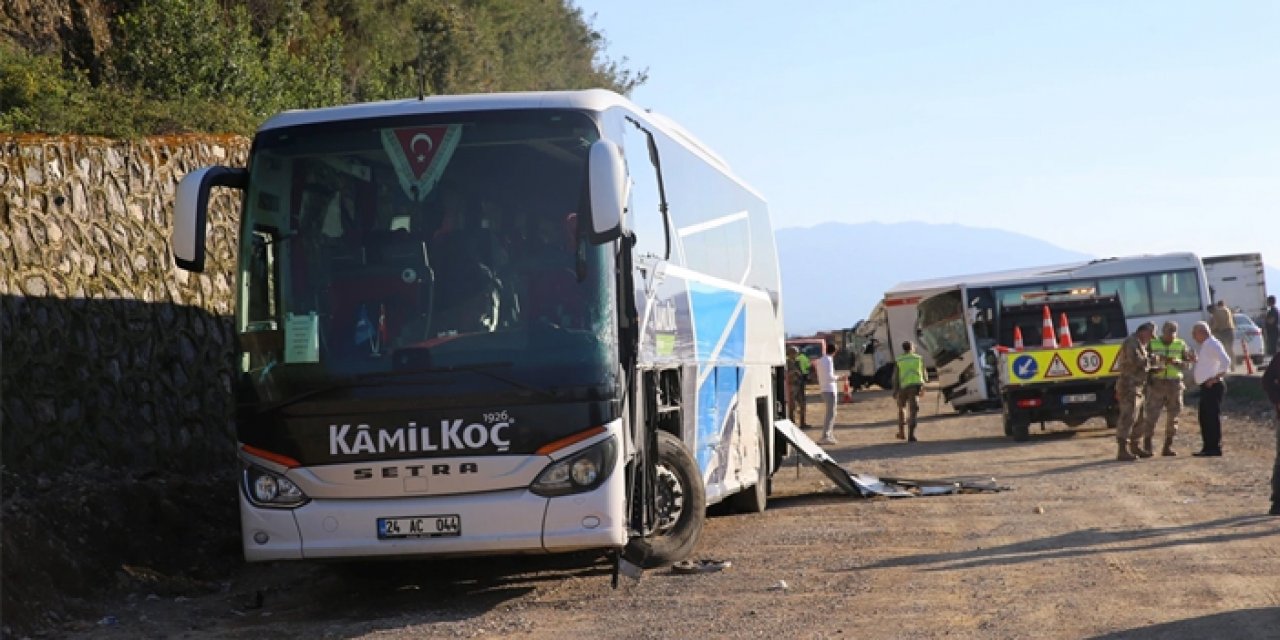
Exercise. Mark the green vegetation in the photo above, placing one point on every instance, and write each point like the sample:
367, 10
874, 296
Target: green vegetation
223, 66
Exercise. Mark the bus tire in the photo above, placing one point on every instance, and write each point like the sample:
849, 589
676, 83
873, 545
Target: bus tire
1112, 416
755, 498
1008, 425
682, 504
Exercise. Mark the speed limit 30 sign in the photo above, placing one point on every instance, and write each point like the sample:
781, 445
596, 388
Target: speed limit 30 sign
1089, 361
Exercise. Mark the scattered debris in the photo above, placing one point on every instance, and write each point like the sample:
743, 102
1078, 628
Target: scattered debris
780, 585
866, 485
700, 566
1039, 509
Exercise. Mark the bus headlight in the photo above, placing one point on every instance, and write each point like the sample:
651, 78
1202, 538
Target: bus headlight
578, 473
266, 489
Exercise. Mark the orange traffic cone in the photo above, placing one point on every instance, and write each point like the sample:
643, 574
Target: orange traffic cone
1047, 341
1017, 339
847, 392
1248, 362
1064, 332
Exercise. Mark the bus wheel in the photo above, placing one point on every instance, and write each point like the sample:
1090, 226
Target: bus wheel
1112, 416
755, 498
1008, 425
681, 501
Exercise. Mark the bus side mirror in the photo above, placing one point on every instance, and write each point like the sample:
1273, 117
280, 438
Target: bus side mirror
607, 176
190, 209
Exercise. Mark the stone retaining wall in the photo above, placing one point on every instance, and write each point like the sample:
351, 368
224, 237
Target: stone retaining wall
111, 355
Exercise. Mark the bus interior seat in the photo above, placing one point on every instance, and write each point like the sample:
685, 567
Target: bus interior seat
394, 274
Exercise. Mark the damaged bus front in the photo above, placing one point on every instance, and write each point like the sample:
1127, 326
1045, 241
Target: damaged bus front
439, 336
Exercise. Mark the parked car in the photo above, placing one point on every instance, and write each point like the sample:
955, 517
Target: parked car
1250, 334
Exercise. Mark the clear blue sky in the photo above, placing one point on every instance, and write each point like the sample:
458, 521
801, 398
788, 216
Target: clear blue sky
1085, 123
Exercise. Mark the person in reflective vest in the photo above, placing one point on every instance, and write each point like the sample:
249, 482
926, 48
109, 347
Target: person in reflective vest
908, 388
797, 375
1165, 388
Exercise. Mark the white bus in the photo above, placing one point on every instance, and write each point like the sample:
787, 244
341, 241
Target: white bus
895, 316
494, 324
957, 326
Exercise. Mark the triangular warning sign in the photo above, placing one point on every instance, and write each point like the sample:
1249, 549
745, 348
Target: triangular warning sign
1115, 365
1057, 368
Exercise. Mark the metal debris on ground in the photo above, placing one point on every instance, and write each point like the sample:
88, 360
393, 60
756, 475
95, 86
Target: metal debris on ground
700, 566
866, 485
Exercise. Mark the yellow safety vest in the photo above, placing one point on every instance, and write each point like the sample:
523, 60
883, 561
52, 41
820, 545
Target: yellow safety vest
1175, 349
910, 369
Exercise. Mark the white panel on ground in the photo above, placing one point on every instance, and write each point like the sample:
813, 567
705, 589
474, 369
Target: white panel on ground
864, 485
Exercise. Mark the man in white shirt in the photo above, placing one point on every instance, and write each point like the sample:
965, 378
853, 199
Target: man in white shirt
1212, 365
826, 368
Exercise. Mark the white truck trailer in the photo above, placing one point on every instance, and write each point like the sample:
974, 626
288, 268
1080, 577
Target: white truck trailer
1239, 280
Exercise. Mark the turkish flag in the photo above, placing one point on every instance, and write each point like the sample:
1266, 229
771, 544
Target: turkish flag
420, 145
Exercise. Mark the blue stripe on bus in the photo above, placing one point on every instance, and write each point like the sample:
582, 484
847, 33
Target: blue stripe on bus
717, 395
712, 309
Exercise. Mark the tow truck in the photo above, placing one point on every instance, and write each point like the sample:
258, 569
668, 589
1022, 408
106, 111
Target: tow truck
1070, 384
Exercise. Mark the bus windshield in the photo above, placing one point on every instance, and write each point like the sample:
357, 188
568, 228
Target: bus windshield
943, 329
431, 243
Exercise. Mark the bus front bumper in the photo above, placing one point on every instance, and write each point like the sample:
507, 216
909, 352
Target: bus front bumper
512, 521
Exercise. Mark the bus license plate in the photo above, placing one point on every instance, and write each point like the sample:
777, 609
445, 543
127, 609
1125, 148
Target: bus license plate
436, 526
1080, 397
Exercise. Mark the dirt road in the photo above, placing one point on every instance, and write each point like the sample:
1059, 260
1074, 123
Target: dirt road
1078, 547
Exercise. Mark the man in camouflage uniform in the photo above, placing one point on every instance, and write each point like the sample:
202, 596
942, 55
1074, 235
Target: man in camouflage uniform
1133, 362
797, 374
1164, 389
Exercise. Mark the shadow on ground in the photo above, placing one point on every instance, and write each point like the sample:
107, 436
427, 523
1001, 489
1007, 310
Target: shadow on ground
1090, 541
1246, 623
345, 598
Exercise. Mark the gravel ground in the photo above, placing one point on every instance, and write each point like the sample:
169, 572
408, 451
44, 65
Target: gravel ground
1079, 546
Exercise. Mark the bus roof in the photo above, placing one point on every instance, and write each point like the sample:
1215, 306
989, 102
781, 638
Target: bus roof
585, 100
589, 100
1100, 267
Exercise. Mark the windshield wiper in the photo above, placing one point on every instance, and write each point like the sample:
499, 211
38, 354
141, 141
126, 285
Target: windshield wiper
485, 368
309, 393
404, 378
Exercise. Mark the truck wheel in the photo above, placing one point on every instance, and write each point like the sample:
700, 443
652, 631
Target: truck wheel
1008, 425
682, 504
884, 376
1021, 429
755, 498
1112, 416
